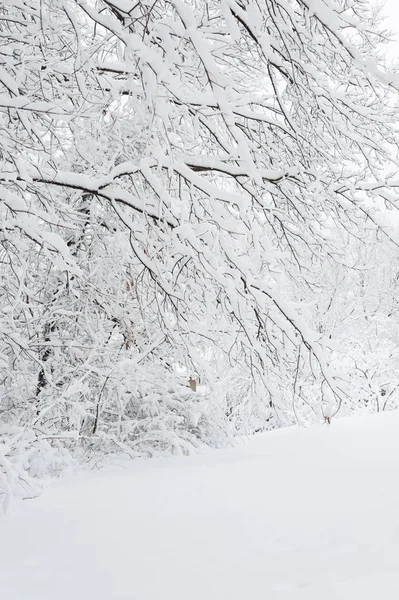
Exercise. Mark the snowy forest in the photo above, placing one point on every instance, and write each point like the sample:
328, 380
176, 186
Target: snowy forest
198, 225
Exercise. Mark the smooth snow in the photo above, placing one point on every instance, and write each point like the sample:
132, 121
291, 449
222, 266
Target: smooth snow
295, 514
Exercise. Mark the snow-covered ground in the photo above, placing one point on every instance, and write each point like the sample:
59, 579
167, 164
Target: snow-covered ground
296, 514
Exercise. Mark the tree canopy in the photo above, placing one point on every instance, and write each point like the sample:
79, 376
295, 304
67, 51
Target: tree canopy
188, 189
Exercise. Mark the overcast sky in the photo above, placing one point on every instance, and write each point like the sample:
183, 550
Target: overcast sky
391, 10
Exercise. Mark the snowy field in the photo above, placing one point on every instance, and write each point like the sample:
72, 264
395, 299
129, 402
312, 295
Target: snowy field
296, 514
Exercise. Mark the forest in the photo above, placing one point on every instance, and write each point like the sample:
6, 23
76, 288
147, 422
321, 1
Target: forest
198, 225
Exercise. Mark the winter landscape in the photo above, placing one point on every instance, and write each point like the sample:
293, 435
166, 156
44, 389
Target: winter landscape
199, 299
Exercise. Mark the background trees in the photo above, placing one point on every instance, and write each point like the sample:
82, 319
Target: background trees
189, 189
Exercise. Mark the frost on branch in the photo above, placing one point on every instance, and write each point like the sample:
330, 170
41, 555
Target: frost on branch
179, 181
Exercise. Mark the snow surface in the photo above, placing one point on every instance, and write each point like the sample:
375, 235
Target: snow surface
293, 514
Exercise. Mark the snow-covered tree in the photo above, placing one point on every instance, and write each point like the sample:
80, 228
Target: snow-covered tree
178, 181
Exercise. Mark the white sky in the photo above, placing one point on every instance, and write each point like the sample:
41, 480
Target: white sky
391, 10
